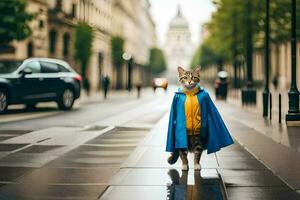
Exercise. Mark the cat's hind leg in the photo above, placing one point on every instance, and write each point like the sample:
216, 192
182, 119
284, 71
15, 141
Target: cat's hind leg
197, 157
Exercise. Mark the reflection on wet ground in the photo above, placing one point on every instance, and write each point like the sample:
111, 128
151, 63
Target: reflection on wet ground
202, 188
252, 121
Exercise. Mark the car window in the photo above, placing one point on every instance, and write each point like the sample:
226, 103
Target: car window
34, 66
49, 67
9, 66
62, 68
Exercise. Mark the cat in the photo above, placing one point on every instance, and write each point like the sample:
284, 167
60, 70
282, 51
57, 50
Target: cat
189, 80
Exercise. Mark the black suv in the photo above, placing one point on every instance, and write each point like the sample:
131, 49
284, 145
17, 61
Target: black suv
38, 80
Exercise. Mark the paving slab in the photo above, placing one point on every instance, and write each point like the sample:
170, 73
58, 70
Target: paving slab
11, 147
26, 160
164, 184
272, 193
9, 174
5, 137
13, 132
41, 149
250, 178
40, 191
156, 157
96, 176
135, 192
147, 175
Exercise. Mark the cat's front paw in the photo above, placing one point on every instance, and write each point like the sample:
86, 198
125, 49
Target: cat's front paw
185, 167
197, 167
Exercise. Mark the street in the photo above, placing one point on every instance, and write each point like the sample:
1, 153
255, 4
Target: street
78, 151
114, 149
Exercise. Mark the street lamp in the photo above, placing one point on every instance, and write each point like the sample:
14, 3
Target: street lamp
293, 113
129, 61
266, 91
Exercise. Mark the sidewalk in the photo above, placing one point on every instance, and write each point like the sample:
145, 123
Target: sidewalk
146, 174
234, 97
266, 143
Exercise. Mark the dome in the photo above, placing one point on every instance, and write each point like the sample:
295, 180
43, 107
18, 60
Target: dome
179, 21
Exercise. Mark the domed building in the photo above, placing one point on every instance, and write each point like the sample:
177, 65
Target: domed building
178, 46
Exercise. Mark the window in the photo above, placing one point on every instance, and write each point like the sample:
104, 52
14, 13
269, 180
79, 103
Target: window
34, 66
66, 43
30, 49
48, 67
52, 41
62, 68
74, 9
41, 24
9, 66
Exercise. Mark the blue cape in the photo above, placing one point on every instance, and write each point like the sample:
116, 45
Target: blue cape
214, 133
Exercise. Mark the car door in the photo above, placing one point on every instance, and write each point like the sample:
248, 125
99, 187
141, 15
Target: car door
27, 86
51, 77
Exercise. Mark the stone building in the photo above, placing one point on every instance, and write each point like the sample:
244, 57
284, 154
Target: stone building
132, 22
64, 15
54, 26
36, 44
178, 46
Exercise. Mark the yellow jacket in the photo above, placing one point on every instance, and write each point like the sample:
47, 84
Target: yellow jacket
192, 112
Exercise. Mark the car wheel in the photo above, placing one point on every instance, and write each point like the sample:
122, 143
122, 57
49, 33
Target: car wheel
66, 100
3, 101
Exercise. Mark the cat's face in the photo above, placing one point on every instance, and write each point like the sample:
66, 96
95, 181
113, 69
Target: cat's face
189, 79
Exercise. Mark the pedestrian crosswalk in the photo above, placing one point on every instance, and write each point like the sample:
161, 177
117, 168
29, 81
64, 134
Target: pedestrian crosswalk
109, 149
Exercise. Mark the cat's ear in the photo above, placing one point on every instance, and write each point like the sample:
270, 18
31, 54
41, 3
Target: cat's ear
180, 70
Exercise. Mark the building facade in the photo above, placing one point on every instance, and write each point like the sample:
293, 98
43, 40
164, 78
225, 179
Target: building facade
133, 23
36, 44
53, 33
178, 46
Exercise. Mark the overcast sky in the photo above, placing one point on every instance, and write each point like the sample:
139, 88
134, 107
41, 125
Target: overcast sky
196, 13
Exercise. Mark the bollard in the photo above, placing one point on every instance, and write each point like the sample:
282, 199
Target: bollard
270, 106
279, 120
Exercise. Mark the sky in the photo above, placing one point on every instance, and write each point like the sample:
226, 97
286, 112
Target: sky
196, 13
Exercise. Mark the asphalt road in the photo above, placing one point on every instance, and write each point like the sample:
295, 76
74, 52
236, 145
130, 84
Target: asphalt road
87, 113
76, 152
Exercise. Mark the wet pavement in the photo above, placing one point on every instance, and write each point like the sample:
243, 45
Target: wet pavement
231, 173
73, 162
271, 143
120, 155
64, 172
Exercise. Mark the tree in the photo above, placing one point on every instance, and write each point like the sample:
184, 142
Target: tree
14, 21
232, 18
117, 50
83, 46
157, 62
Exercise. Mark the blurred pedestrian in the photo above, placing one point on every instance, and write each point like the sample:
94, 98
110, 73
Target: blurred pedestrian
105, 84
275, 82
138, 88
86, 86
